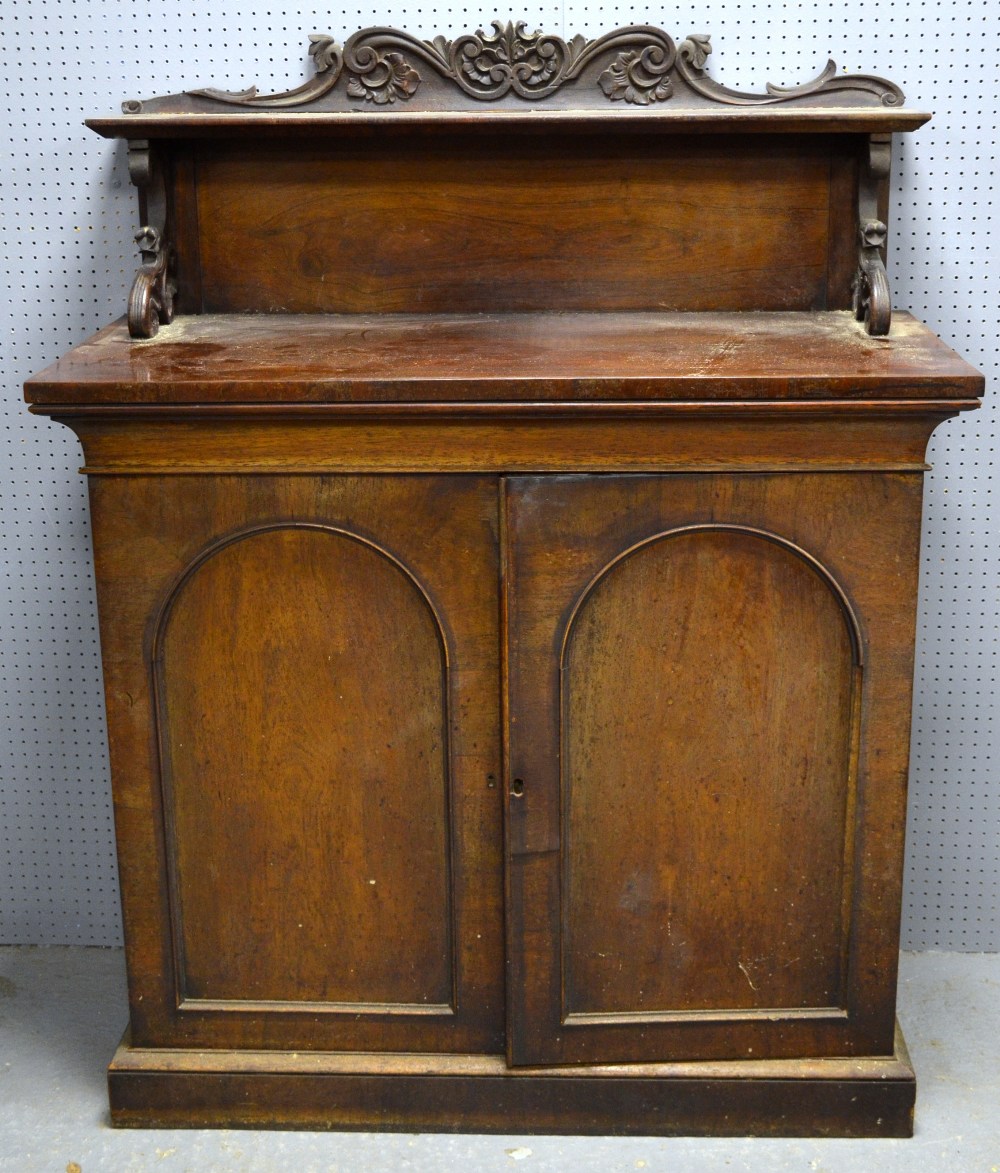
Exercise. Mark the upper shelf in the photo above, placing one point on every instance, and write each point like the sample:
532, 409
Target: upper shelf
635, 78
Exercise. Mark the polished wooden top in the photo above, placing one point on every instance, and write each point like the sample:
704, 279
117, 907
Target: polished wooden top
261, 124
514, 358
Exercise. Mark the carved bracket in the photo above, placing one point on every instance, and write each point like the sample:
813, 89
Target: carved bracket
872, 297
638, 65
151, 299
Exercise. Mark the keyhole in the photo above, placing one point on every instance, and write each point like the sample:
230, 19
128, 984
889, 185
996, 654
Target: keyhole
517, 787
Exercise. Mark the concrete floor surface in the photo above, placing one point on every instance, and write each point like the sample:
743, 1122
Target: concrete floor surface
62, 1011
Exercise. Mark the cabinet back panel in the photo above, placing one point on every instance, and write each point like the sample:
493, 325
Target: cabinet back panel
503, 223
707, 736
304, 725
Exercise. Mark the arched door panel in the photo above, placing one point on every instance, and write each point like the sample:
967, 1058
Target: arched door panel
707, 695
698, 724
302, 690
305, 724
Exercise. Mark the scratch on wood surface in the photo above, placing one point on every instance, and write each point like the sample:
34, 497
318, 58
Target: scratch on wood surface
746, 974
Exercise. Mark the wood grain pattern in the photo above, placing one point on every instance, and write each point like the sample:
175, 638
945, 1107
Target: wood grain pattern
708, 721
304, 721
265, 834
819, 1097
690, 850
655, 439
252, 126
355, 359
607, 225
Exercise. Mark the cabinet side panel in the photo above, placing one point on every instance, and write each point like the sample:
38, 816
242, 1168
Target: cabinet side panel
303, 728
707, 730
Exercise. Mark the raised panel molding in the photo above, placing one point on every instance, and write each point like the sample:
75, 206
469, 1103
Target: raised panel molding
717, 658
338, 660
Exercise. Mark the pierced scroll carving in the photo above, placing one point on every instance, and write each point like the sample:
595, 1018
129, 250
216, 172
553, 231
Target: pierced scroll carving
151, 299
490, 65
872, 297
637, 65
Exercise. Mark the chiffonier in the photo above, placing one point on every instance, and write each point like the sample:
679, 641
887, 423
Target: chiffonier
506, 491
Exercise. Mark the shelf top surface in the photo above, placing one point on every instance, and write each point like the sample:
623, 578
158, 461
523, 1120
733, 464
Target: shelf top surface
507, 358
265, 124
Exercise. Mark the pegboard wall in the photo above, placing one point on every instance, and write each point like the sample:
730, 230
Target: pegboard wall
68, 214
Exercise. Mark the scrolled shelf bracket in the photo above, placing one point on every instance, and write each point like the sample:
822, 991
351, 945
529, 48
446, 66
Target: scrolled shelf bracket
872, 297
151, 298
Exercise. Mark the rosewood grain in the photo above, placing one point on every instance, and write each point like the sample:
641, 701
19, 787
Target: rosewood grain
606, 224
825, 1097
278, 645
699, 866
730, 623
213, 360
301, 692
885, 436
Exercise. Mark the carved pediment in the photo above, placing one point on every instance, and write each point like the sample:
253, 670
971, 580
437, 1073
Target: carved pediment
641, 66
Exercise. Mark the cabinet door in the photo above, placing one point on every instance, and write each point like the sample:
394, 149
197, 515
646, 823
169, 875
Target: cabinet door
303, 706
709, 693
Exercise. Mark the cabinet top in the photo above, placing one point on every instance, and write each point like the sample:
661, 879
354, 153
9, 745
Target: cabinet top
633, 79
525, 360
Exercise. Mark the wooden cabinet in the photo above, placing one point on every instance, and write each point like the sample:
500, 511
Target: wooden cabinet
507, 568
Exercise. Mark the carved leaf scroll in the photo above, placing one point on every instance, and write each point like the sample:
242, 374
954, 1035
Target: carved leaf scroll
693, 54
328, 59
390, 77
637, 66
490, 65
382, 66
872, 300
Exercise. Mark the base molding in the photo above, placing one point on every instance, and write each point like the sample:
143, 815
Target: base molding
166, 1088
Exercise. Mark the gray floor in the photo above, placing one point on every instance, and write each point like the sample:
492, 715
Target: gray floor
61, 1013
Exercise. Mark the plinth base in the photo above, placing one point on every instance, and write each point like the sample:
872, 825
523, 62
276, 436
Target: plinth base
164, 1088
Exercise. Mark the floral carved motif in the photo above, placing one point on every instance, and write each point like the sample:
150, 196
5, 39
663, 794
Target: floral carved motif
638, 77
390, 76
639, 65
